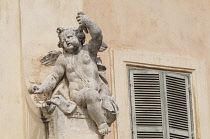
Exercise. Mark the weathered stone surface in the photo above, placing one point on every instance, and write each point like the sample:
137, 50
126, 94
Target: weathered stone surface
77, 83
76, 126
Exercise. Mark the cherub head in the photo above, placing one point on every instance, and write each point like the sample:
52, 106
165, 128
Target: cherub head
70, 38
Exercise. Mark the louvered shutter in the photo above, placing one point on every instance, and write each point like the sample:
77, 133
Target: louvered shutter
146, 104
160, 105
178, 103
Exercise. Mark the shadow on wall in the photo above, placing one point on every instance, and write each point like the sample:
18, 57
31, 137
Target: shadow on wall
34, 126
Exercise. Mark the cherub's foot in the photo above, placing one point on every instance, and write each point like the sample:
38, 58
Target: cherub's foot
104, 129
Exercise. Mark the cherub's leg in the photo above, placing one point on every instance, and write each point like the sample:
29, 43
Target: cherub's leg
95, 111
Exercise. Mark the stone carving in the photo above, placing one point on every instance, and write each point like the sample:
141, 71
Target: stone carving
78, 77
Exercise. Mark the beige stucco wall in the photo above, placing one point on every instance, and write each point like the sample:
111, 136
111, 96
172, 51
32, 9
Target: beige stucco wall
39, 21
179, 28
11, 112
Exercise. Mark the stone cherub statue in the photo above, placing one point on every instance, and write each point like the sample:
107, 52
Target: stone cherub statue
81, 68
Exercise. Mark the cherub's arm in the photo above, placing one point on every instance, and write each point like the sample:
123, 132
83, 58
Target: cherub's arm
95, 32
52, 80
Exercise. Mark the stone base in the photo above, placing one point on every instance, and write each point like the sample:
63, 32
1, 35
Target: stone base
76, 126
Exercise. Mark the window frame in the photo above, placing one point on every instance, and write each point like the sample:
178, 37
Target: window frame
120, 59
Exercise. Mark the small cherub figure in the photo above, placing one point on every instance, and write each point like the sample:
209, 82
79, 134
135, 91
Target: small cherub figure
78, 64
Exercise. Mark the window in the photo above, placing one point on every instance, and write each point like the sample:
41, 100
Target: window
160, 105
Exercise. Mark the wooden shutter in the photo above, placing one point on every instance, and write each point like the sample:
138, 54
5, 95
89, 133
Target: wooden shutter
146, 104
178, 104
160, 105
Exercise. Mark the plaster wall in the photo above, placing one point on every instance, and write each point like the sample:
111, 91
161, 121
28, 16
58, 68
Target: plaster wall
11, 119
39, 21
176, 28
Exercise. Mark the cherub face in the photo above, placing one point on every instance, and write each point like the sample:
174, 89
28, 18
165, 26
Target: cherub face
70, 41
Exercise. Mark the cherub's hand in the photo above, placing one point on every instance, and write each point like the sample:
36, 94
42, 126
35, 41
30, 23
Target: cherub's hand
39, 91
81, 18
35, 89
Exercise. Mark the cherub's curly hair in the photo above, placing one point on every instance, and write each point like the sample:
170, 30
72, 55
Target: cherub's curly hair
79, 33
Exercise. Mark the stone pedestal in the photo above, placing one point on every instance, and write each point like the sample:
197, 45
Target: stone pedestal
76, 126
